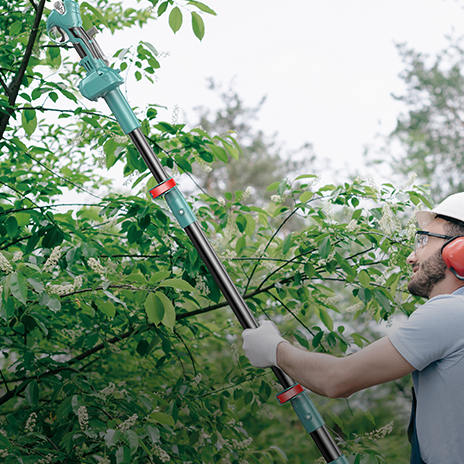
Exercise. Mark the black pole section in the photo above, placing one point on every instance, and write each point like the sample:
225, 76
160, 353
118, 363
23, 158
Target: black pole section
227, 287
148, 155
326, 444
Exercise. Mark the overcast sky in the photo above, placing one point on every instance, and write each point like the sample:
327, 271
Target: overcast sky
328, 67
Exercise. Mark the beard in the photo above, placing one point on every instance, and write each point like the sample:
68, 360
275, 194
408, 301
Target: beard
431, 272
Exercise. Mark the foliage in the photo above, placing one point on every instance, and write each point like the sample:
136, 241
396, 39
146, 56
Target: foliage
116, 342
431, 131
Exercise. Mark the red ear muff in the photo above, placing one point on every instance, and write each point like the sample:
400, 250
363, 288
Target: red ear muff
453, 256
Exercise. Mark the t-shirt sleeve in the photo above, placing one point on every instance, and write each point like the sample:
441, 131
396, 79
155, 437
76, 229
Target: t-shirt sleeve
432, 332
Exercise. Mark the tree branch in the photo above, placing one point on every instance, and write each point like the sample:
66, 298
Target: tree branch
18, 79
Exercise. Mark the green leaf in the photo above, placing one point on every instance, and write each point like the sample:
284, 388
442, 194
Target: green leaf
364, 278
306, 196
161, 418
281, 453
4, 442
326, 319
287, 243
198, 25
154, 308
29, 121
157, 276
202, 7
218, 152
37, 285
18, 286
107, 308
175, 19
324, 248
383, 301
153, 433
112, 437
179, 284
169, 318
32, 393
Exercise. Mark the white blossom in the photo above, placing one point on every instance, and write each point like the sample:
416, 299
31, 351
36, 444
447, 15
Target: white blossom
128, 423
381, 432
277, 198
160, 453
30, 423
327, 208
354, 308
410, 181
353, 226
221, 201
201, 286
196, 380
48, 459
246, 193
83, 417
78, 282
17, 256
120, 138
96, 266
61, 289
5, 265
109, 390
388, 223
52, 260
235, 353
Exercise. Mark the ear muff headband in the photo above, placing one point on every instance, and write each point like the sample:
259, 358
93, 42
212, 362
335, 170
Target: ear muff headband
453, 256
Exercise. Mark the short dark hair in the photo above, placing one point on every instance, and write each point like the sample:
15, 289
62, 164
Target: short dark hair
453, 227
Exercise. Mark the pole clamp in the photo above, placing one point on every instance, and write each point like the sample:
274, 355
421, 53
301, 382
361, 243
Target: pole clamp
289, 393
162, 188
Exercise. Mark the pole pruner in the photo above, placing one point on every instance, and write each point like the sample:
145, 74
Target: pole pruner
64, 25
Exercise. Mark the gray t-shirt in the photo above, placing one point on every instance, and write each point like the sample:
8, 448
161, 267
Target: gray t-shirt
432, 341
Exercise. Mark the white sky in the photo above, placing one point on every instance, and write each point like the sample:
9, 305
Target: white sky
328, 67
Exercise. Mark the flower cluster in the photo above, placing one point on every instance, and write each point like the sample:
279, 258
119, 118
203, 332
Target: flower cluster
241, 445
5, 265
30, 423
128, 423
277, 198
354, 308
196, 380
410, 181
96, 267
201, 286
120, 138
235, 353
17, 256
83, 417
327, 209
381, 432
48, 459
109, 390
246, 194
52, 260
388, 223
64, 289
160, 453
353, 226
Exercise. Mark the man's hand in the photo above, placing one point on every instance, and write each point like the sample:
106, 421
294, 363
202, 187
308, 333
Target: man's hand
260, 345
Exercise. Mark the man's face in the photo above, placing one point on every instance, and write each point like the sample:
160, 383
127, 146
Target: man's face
428, 266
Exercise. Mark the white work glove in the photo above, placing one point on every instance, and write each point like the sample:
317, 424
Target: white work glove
260, 345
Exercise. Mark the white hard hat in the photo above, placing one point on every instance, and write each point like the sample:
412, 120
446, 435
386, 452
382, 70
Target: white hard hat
453, 207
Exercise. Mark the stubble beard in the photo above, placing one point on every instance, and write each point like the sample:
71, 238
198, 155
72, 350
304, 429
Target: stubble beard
431, 272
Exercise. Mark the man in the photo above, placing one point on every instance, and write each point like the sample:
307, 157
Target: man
430, 345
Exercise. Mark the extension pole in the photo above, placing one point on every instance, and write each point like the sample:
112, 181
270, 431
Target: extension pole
65, 25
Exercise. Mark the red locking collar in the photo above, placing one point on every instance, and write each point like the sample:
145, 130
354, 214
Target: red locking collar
162, 188
290, 393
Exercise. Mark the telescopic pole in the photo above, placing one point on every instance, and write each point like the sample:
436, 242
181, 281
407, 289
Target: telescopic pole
65, 25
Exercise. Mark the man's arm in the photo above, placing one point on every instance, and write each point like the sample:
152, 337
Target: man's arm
335, 377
